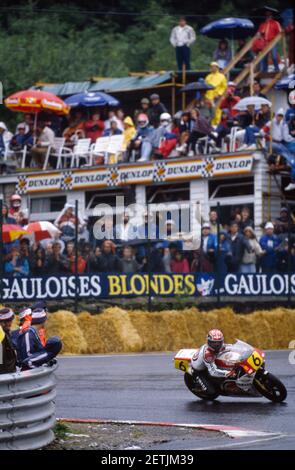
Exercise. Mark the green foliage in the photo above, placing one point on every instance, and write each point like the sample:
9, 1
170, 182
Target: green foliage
61, 430
54, 41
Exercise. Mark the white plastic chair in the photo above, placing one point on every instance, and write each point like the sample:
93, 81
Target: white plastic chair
99, 148
115, 146
81, 150
59, 151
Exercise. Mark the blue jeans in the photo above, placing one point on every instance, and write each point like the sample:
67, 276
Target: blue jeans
183, 57
274, 55
146, 150
247, 268
250, 134
282, 150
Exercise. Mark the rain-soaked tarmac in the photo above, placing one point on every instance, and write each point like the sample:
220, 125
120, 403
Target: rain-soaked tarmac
147, 387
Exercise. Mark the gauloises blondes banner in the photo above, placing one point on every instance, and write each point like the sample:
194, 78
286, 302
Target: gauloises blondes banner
113, 286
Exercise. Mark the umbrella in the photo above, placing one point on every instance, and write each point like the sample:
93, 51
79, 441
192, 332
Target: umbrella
12, 232
198, 86
42, 230
90, 98
230, 28
251, 100
35, 101
260, 11
286, 82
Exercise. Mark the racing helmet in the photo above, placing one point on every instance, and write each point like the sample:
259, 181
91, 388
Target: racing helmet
15, 200
165, 119
215, 340
142, 120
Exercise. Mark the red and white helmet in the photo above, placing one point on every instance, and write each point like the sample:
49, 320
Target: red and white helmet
15, 200
215, 340
142, 120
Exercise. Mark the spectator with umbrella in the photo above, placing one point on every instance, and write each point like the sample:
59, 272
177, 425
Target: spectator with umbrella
269, 29
94, 127
222, 53
200, 87
229, 28
45, 139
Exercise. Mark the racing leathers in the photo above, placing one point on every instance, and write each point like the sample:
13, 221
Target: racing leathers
32, 353
204, 368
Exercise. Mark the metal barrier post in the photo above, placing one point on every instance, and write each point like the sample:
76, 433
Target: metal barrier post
149, 264
218, 255
76, 257
289, 255
1, 246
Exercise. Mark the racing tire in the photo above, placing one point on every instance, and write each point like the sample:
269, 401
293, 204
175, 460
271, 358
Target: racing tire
190, 383
270, 387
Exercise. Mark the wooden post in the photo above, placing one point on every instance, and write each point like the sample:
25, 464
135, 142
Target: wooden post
173, 93
183, 84
251, 78
284, 51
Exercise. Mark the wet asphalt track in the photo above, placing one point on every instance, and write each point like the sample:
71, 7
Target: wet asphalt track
147, 387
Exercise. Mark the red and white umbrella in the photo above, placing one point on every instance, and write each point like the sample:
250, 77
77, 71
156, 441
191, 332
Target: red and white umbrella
42, 230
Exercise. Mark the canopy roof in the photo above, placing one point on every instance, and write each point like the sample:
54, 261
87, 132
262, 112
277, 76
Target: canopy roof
107, 84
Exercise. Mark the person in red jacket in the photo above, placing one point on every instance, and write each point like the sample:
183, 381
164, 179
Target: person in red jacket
179, 264
94, 127
269, 29
229, 101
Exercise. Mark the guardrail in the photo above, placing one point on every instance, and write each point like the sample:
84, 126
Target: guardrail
27, 409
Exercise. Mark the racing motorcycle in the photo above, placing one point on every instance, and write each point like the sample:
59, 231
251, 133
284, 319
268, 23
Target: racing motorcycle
251, 379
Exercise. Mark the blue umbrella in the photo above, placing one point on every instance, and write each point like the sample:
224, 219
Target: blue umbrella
229, 28
95, 98
284, 83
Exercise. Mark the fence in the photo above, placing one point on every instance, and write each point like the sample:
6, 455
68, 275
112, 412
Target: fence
27, 409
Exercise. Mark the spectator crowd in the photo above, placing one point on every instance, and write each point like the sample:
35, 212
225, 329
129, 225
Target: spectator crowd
213, 125
123, 248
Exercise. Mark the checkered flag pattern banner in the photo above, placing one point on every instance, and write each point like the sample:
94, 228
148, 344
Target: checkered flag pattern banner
113, 177
159, 172
21, 187
66, 183
208, 167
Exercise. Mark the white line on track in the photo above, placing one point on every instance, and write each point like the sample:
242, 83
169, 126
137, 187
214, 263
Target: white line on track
243, 443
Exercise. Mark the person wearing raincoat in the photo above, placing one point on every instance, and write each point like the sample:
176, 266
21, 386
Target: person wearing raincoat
218, 80
129, 131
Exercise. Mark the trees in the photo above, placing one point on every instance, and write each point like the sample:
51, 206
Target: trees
58, 41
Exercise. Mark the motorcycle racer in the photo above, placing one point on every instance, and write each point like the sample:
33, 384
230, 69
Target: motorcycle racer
204, 365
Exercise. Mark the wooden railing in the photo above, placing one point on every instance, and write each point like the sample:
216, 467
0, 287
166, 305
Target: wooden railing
251, 68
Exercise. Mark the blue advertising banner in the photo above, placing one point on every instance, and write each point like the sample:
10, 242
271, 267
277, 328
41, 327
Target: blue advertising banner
112, 286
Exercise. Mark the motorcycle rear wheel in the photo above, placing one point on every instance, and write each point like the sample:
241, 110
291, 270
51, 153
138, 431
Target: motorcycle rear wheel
270, 387
190, 383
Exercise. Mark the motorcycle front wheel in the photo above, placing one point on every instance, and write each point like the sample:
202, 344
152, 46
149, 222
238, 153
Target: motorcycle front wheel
190, 383
270, 387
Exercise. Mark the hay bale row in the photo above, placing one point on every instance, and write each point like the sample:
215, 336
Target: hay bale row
117, 330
